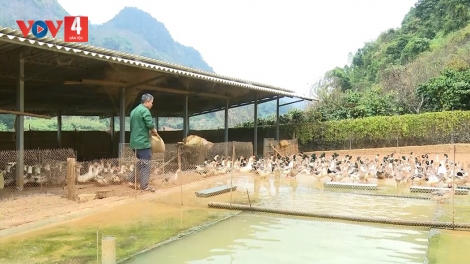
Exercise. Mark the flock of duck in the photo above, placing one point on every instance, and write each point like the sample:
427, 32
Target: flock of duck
104, 173
420, 170
416, 170
39, 174
408, 169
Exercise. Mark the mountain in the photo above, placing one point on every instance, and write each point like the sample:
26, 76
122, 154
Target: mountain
135, 31
131, 30
13, 10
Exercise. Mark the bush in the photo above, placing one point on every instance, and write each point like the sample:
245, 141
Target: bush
437, 124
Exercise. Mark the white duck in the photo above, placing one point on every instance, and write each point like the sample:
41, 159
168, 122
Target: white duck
248, 167
87, 176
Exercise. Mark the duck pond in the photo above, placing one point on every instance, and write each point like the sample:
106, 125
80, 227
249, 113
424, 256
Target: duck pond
249, 237
242, 238
262, 238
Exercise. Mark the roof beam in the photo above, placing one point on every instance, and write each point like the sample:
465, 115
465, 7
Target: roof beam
23, 113
264, 100
146, 81
2, 75
174, 91
148, 87
27, 52
293, 102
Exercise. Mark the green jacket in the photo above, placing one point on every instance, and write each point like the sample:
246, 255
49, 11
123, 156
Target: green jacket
141, 123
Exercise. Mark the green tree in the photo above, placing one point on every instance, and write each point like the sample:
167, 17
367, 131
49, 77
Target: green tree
414, 47
450, 91
7, 120
3, 127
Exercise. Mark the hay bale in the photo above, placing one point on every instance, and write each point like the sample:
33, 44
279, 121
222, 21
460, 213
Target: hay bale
197, 141
284, 143
195, 149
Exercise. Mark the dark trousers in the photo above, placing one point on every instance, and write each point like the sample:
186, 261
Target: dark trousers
143, 167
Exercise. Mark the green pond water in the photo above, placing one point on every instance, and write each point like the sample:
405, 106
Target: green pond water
261, 238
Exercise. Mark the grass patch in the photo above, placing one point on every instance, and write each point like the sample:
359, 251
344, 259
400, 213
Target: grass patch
78, 244
448, 246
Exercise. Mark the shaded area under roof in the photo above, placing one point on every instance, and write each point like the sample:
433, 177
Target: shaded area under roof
77, 79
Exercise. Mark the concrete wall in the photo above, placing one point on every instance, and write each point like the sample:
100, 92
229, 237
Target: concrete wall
97, 144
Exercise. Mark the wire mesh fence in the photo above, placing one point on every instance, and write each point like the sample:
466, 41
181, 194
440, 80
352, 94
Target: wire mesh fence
34, 168
180, 165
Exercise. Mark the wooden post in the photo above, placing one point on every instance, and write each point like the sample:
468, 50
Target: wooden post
178, 153
231, 174
71, 188
233, 153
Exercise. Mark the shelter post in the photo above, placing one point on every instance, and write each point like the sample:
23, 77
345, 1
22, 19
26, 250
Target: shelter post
59, 129
277, 119
19, 129
111, 132
226, 122
255, 127
226, 127
122, 120
186, 117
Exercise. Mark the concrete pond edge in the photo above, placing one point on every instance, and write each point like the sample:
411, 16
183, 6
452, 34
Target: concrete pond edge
183, 234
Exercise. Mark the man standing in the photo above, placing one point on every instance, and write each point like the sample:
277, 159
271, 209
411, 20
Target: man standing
141, 124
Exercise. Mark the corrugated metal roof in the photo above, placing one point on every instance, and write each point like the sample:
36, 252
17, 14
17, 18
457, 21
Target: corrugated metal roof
15, 36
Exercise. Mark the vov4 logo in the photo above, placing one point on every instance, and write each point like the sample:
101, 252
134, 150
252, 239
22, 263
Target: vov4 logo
75, 28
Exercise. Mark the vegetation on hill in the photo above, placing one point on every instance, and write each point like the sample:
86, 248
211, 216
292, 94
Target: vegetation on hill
391, 85
421, 66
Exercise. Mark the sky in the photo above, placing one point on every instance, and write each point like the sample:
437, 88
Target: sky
284, 43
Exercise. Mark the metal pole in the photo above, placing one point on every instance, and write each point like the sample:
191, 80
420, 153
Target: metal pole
59, 130
277, 119
255, 128
186, 117
226, 122
122, 121
19, 129
111, 132
226, 128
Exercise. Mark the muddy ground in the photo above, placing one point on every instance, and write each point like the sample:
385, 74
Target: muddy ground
22, 213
